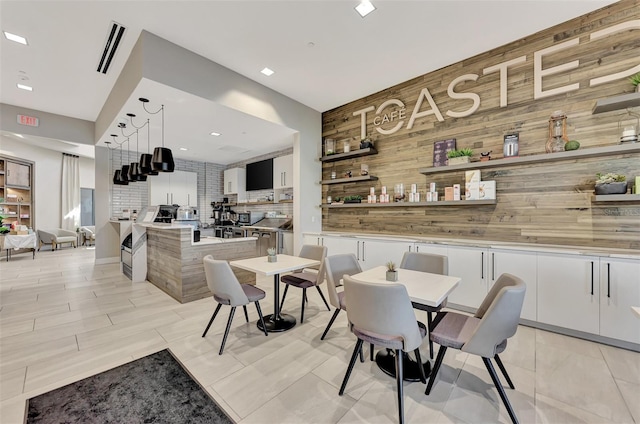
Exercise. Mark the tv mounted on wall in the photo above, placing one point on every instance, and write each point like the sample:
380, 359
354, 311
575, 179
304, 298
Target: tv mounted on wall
260, 175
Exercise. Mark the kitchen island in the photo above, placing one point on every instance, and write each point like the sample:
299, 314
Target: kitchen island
174, 262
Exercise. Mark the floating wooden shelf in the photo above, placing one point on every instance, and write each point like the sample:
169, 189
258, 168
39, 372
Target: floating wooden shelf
255, 203
411, 204
616, 198
349, 180
545, 157
352, 154
616, 103
285, 201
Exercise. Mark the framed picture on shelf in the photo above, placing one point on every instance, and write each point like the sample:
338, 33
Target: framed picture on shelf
440, 149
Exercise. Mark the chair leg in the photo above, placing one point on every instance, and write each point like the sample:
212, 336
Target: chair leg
501, 392
264, 327
371, 351
429, 323
436, 367
304, 297
226, 331
504, 371
352, 362
246, 315
423, 377
323, 299
333, 318
362, 353
284, 295
399, 376
211, 320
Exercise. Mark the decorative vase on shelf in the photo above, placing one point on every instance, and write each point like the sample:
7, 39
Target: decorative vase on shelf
557, 132
619, 187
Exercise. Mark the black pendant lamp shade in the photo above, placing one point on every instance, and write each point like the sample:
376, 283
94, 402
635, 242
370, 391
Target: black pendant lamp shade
134, 172
117, 178
146, 168
124, 174
162, 160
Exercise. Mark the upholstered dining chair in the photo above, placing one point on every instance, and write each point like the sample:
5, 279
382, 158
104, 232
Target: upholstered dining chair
485, 334
227, 290
305, 279
434, 264
382, 314
56, 237
335, 267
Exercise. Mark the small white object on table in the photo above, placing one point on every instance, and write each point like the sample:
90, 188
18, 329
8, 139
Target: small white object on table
284, 263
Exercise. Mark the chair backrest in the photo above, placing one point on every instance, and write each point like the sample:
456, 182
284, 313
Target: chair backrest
223, 282
318, 253
499, 315
382, 309
425, 262
335, 267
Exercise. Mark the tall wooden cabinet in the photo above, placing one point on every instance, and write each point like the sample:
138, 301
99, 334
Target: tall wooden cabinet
16, 190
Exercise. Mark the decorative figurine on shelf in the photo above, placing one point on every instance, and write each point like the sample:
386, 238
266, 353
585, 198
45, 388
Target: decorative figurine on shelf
366, 143
485, 156
347, 174
557, 132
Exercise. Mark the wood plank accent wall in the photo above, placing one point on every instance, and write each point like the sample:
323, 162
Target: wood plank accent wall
175, 266
545, 203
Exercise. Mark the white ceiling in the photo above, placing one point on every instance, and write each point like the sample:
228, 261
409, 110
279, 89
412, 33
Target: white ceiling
351, 57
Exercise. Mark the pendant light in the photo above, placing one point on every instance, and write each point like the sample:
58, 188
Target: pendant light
124, 174
162, 159
134, 171
145, 159
117, 176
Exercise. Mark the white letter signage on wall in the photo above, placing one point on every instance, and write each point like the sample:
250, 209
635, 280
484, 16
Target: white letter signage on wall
606, 32
471, 96
538, 72
389, 117
502, 67
424, 94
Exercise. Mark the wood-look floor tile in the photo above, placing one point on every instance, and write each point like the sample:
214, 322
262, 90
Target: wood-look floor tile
16, 327
46, 351
12, 383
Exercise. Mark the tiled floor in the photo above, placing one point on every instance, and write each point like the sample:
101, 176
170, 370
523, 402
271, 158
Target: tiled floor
62, 318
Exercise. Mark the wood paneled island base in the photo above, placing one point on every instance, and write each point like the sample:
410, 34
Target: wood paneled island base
174, 263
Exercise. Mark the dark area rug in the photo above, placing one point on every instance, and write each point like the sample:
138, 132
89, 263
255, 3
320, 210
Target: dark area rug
153, 389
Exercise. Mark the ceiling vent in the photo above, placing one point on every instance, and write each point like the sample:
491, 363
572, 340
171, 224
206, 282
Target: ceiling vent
114, 37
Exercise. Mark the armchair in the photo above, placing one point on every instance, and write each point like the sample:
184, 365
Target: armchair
88, 234
56, 237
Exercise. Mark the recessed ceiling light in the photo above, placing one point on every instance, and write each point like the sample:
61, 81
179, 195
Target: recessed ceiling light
184, 149
16, 38
215, 134
268, 72
365, 7
25, 87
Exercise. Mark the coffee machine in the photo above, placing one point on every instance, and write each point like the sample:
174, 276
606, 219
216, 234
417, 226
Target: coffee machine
222, 214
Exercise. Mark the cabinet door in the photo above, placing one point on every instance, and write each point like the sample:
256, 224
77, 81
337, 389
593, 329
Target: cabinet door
160, 189
283, 171
470, 265
191, 187
619, 291
312, 239
184, 188
338, 245
375, 253
568, 291
234, 181
436, 249
522, 265
17, 174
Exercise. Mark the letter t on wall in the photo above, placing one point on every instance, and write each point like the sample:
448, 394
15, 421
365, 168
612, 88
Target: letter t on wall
502, 67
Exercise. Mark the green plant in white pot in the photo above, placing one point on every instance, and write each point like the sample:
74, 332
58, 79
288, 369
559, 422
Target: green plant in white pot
635, 81
392, 271
271, 255
457, 157
610, 184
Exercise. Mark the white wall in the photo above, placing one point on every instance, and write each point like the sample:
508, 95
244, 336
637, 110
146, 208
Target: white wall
48, 178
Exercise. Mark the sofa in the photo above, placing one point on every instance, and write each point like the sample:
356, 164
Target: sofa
57, 237
88, 234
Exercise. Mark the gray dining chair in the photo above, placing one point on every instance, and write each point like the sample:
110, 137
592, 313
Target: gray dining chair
485, 334
335, 267
305, 279
434, 264
227, 290
382, 314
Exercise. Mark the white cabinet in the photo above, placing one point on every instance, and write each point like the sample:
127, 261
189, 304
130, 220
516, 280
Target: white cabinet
619, 291
235, 182
522, 265
436, 249
338, 245
568, 291
373, 253
178, 187
470, 264
283, 172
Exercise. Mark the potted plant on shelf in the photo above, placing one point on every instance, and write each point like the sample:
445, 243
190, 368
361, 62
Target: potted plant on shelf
457, 157
353, 199
635, 80
366, 143
610, 184
271, 255
392, 271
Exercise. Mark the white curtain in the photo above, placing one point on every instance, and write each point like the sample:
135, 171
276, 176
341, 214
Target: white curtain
70, 192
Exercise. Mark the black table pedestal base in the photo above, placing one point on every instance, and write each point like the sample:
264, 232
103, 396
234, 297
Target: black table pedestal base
386, 360
283, 323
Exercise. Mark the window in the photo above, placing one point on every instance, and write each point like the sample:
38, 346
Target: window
87, 214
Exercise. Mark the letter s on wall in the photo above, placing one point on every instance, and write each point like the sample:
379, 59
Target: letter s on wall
471, 96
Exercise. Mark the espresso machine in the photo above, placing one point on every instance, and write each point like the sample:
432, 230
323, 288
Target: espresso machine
222, 214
